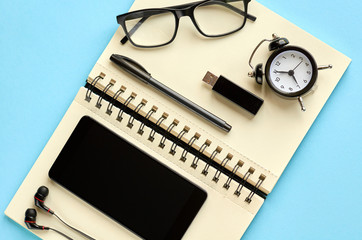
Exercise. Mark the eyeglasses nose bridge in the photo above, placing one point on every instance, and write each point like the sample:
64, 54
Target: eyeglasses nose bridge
184, 12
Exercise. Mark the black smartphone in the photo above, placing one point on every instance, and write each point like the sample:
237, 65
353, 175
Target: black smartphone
125, 183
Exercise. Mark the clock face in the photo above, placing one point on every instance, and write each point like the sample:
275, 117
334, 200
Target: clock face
291, 71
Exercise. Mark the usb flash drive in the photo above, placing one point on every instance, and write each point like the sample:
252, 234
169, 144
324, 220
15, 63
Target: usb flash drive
234, 93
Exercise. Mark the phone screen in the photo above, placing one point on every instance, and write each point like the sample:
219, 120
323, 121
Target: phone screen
125, 183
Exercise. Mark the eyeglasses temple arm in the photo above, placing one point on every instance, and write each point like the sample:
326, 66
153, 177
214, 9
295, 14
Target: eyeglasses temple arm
135, 27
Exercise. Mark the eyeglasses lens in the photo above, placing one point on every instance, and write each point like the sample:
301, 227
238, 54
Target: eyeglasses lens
151, 28
216, 18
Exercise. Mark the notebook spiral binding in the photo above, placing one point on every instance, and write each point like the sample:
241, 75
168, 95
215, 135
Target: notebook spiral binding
92, 86
176, 140
164, 116
235, 169
125, 104
189, 146
179, 137
147, 117
115, 96
169, 129
105, 90
201, 150
137, 109
223, 164
213, 155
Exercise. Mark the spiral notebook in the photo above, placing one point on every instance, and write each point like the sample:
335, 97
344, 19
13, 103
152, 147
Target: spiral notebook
237, 169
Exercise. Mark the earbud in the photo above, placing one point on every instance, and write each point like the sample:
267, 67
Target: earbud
39, 199
275, 43
30, 220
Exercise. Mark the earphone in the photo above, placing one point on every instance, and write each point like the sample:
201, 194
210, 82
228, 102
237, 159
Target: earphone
275, 43
30, 221
39, 199
30, 214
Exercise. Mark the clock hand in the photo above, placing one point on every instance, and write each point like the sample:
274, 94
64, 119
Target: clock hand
295, 79
298, 65
276, 71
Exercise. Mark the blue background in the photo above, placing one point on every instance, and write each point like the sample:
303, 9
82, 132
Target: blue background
47, 49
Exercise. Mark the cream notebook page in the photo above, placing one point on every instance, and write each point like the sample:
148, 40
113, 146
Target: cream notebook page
265, 142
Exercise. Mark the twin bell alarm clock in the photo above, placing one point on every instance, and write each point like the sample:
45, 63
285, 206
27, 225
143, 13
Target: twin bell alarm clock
290, 71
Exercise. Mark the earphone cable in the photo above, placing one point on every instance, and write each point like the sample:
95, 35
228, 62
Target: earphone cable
59, 232
82, 233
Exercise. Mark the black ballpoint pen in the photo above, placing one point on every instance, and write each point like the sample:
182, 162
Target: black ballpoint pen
139, 72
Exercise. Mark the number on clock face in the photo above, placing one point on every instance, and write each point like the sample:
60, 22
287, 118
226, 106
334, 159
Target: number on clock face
290, 71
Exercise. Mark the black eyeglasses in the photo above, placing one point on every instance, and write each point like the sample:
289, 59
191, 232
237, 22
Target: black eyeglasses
156, 27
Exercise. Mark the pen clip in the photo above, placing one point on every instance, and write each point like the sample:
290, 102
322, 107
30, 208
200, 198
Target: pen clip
134, 63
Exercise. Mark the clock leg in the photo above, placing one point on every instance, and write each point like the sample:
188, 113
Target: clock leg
325, 67
300, 100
